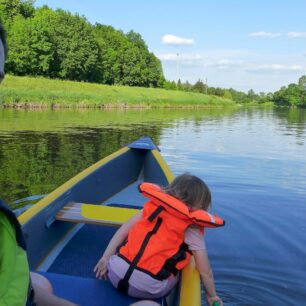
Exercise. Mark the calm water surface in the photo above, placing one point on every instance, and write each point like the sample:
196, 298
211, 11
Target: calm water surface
254, 160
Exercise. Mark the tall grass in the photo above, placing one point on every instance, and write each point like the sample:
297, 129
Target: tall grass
42, 92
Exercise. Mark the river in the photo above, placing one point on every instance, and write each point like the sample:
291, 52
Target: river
253, 159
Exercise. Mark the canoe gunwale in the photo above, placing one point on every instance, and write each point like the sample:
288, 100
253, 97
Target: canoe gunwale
189, 291
65, 188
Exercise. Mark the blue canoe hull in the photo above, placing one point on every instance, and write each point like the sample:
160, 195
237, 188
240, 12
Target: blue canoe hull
66, 252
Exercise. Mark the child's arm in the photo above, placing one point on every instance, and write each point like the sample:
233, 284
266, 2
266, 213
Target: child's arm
203, 266
101, 267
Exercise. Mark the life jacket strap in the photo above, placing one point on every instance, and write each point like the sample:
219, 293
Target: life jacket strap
123, 284
121, 245
169, 266
155, 213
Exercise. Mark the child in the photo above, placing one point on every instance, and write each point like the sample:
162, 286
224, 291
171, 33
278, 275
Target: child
146, 253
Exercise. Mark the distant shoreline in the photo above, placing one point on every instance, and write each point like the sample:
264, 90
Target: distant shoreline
43, 93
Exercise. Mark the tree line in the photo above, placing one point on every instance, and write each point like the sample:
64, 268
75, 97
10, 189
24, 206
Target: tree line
58, 44
293, 95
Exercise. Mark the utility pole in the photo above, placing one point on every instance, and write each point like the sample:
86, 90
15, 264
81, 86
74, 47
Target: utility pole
177, 67
206, 86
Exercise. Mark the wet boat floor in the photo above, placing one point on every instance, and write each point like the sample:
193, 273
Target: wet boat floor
83, 251
72, 276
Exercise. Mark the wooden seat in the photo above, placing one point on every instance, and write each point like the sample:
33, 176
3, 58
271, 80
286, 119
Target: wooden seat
95, 214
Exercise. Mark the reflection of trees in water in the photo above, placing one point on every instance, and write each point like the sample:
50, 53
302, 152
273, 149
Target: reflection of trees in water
294, 119
54, 120
36, 163
42, 149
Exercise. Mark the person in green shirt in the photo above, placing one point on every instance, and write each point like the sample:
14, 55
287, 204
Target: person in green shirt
3, 51
18, 286
14, 270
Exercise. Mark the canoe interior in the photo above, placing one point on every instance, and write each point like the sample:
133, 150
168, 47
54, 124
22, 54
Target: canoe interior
65, 252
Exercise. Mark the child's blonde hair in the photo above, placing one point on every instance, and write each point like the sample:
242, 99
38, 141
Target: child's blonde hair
191, 190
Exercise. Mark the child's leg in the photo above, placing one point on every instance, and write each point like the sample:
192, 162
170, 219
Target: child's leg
162, 291
141, 285
41, 281
43, 292
145, 303
44, 298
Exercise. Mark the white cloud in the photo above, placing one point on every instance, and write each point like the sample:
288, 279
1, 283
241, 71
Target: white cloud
296, 34
252, 66
229, 53
177, 41
274, 68
185, 58
265, 34
226, 64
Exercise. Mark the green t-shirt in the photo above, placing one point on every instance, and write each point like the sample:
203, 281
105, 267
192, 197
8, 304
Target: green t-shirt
14, 269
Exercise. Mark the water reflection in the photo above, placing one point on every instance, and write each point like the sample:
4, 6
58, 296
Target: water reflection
292, 122
253, 159
37, 162
42, 149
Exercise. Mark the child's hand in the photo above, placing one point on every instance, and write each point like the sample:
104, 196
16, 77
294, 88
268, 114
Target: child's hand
215, 299
101, 268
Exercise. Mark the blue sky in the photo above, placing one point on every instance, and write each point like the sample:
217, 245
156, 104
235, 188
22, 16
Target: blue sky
231, 43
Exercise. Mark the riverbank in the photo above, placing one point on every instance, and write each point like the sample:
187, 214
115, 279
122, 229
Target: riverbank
29, 92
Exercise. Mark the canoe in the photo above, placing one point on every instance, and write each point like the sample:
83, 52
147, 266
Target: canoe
67, 231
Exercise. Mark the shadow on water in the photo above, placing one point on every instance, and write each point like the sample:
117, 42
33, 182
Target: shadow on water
253, 160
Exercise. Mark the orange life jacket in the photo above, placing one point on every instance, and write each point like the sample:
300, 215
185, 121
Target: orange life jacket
155, 244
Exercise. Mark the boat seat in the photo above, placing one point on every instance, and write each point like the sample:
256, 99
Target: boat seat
87, 291
95, 214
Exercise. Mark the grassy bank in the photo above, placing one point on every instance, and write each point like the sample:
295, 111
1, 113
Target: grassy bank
46, 93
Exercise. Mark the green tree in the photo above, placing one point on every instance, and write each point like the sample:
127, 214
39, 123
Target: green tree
302, 85
125, 59
136, 40
199, 86
293, 94
179, 85
252, 97
302, 82
238, 96
31, 50
59, 44
288, 96
169, 85
133, 65
154, 71
9, 9
140, 67
227, 94
76, 49
110, 43
186, 86
215, 91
